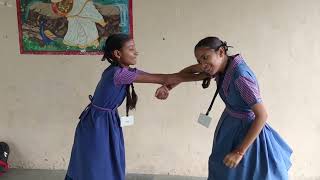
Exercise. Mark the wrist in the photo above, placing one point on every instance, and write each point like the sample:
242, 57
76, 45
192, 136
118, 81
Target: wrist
168, 87
240, 151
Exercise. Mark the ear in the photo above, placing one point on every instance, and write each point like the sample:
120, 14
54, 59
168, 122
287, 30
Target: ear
221, 52
116, 54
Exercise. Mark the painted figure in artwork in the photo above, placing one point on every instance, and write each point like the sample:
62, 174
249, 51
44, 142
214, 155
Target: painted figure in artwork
82, 17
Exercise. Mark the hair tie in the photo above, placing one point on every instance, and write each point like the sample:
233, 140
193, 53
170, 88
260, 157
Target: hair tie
225, 45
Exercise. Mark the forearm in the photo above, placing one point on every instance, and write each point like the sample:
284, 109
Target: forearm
196, 68
253, 133
189, 69
187, 77
191, 73
153, 78
171, 86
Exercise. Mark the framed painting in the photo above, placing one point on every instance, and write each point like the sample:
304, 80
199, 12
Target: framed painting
70, 26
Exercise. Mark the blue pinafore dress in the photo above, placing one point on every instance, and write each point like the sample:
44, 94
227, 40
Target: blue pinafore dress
98, 151
268, 158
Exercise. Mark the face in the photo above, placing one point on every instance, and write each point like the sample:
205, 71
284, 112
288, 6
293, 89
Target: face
210, 58
128, 54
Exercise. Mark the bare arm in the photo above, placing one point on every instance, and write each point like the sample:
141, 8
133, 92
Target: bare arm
153, 78
233, 158
196, 68
196, 73
164, 79
256, 127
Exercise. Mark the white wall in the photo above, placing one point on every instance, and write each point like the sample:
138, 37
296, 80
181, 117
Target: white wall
42, 96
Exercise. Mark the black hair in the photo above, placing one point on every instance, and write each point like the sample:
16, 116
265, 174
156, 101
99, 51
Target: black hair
212, 43
116, 42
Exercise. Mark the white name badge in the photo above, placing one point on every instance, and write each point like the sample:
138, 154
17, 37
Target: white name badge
126, 121
204, 120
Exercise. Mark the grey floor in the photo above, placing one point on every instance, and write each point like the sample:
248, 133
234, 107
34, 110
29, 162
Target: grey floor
28, 174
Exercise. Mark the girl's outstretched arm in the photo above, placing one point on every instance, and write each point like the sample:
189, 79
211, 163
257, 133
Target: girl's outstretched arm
191, 73
196, 68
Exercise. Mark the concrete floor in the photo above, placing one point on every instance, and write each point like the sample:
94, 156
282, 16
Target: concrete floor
28, 174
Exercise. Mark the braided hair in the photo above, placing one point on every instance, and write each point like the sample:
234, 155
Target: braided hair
116, 42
